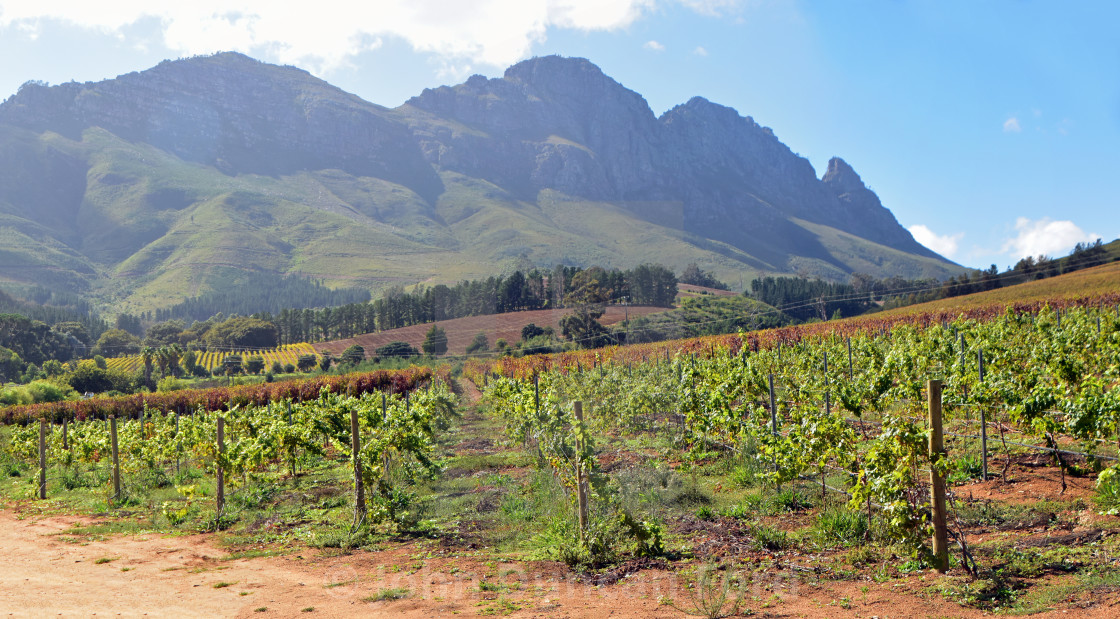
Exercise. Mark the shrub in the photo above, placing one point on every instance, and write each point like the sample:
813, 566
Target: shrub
1108, 491
478, 344
353, 355
840, 527
307, 362
170, 383
531, 331
47, 391
435, 341
254, 364
397, 349
15, 395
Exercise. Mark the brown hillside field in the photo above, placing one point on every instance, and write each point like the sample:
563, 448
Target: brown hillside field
461, 331
1088, 282
688, 291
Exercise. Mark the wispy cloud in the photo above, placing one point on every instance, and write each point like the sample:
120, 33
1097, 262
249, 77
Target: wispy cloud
1011, 125
654, 46
713, 8
700, 51
946, 245
1045, 236
491, 32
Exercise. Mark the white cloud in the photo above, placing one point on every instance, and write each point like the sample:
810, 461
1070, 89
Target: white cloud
1011, 125
713, 8
327, 35
654, 46
1045, 236
700, 51
946, 245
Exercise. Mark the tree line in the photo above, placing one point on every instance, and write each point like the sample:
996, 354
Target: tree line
260, 292
802, 299
647, 284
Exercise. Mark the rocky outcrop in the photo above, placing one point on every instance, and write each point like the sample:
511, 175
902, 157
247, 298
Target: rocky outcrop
236, 114
560, 123
76, 169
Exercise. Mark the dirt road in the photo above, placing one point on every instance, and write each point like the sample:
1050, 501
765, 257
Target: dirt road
47, 573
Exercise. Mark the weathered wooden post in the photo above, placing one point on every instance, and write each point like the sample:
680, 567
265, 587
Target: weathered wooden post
356, 453
773, 417
851, 370
177, 446
221, 473
936, 481
116, 457
537, 393
42, 458
983, 423
827, 393
581, 480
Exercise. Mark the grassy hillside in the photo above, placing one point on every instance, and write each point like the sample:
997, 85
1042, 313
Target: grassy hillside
153, 230
1087, 282
139, 194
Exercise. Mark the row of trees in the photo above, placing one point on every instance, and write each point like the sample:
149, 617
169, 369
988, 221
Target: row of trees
536, 289
803, 299
215, 333
260, 292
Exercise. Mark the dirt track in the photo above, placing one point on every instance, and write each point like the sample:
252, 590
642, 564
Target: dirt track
46, 574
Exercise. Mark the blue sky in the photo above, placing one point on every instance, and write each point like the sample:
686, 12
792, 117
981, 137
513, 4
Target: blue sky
990, 129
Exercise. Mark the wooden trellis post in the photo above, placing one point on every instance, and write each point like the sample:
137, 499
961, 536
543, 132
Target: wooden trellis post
356, 452
983, 423
936, 481
116, 457
581, 477
221, 473
42, 458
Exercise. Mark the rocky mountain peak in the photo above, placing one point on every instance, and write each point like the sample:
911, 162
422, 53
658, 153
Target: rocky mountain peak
551, 131
841, 177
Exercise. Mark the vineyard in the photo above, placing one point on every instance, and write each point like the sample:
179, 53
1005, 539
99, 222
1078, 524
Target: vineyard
287, 354
244, 450
846, 415
804, 454
223, 398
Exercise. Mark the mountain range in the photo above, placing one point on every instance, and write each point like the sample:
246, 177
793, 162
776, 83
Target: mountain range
145, 189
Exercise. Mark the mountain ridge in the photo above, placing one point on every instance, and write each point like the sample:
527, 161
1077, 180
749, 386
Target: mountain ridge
162, 183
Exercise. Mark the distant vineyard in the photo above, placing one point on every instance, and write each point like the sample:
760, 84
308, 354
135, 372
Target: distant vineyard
477, 370
227, 398
286, 354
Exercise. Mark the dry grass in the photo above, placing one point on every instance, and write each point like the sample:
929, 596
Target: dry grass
1088, 282
460, 331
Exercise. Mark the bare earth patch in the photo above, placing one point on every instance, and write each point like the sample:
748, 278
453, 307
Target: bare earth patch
177, 576
461, 331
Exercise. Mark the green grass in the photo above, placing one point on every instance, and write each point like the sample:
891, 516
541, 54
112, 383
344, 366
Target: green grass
388, 595
138, 253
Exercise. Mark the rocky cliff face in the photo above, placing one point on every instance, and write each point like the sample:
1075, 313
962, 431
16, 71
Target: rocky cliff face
560, 123
94, 173
236, 114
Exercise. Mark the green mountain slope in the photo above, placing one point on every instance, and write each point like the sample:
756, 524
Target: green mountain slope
159, 185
